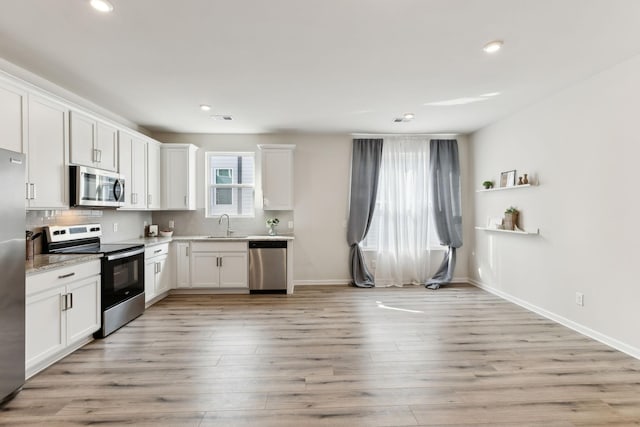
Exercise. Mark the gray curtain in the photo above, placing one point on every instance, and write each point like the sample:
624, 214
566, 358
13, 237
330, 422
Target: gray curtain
444, 178
365, 168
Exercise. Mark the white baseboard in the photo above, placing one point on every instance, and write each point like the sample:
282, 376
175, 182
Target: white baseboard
604, 339
339, 282
346, 282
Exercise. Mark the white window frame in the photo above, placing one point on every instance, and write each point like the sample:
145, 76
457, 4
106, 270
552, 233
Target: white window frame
208, 179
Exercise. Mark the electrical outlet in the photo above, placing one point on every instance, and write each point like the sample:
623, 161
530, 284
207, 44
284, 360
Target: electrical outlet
115, 227
580, 299
290, 225
172, 224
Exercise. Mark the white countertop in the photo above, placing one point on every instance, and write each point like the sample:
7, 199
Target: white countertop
152, 241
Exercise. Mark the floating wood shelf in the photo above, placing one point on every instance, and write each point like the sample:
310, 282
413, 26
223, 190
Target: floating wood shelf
497, 230
513, 187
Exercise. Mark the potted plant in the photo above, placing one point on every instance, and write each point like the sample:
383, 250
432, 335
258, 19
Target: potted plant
271, 224
487, 185
511, 218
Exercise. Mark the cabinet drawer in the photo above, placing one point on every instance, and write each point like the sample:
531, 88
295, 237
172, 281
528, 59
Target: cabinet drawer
61, 276
156, 250
219, 246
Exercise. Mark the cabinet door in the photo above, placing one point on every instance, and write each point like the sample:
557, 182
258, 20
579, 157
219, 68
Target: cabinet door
149, 279
205, 272
233, 271
277, 179
47, 154
107, 146
82, 140
83, 315
163, 281
175, 178
182, 265
132, 164
153, 175
12, 114
45, 325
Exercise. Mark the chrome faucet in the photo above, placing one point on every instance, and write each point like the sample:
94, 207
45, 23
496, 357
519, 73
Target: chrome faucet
228, 224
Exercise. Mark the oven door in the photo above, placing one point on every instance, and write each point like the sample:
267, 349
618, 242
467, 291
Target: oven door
122, 277
96, 187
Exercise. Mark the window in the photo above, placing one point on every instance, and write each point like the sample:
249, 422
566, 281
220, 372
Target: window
230, 184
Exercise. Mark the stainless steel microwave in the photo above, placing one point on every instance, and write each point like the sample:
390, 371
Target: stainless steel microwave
95, 188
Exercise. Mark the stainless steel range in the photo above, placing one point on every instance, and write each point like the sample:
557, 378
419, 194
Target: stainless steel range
122, 271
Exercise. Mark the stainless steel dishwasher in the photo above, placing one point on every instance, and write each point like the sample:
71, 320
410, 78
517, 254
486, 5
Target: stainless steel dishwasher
267, 266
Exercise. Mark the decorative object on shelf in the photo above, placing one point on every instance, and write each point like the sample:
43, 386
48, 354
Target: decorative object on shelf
510, 218
495, 223
271, 225
487, 185
525, 180
520, 181
508, 178
521, 232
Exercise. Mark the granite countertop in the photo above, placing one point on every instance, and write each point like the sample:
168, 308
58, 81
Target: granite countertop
148, 241
46, 262
233, 238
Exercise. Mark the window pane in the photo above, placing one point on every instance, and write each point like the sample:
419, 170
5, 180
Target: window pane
224, 196
231, 169
224, 176
232, 201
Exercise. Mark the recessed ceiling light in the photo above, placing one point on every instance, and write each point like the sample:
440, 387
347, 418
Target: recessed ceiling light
493, 46
102, 6
205, 107
490, 94
457, 101
409, 116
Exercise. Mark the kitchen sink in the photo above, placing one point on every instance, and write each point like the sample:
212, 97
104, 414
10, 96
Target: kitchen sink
235, 236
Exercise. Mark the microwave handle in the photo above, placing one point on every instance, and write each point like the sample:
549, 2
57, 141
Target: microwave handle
118, 190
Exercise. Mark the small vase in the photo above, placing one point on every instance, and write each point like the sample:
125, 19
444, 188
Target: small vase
520, 182
272, 230
525, 180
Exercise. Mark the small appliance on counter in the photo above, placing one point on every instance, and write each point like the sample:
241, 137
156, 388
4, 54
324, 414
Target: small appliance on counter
152, 231
122, 271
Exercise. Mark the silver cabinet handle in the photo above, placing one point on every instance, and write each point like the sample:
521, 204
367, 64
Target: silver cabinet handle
71, 301
99, 156
217, 262
32, 187
64, 276
157, 251
187, 251
220, 261
63, 302
28, 193
134, 198
159, 267
149, 199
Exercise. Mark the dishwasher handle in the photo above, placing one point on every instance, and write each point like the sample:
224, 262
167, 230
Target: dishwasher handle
267, 244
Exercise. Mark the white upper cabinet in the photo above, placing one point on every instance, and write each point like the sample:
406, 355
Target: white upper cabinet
93, 143
178, 176
13, 103
47, 154
277, 176
132, 164
154, 199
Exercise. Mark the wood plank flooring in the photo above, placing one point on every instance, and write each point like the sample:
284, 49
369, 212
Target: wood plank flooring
336, 356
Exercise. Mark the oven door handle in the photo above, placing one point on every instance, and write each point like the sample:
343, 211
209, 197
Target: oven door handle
125, 254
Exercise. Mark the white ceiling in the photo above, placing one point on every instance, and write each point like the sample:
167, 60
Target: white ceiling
316, 65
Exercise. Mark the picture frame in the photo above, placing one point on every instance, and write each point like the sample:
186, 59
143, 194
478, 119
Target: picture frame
508, 178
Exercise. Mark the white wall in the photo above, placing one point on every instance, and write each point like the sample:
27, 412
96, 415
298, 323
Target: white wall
583, 145
322, 175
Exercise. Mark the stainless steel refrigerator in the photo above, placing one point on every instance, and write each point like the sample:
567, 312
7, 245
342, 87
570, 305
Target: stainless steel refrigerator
12, 257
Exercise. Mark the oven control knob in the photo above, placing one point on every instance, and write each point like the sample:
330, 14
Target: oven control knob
55, 233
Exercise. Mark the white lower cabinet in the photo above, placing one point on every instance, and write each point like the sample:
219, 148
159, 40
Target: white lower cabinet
182, 264
62, 311
157, 278
217, 265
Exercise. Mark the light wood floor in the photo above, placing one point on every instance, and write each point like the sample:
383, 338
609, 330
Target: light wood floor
337, 356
